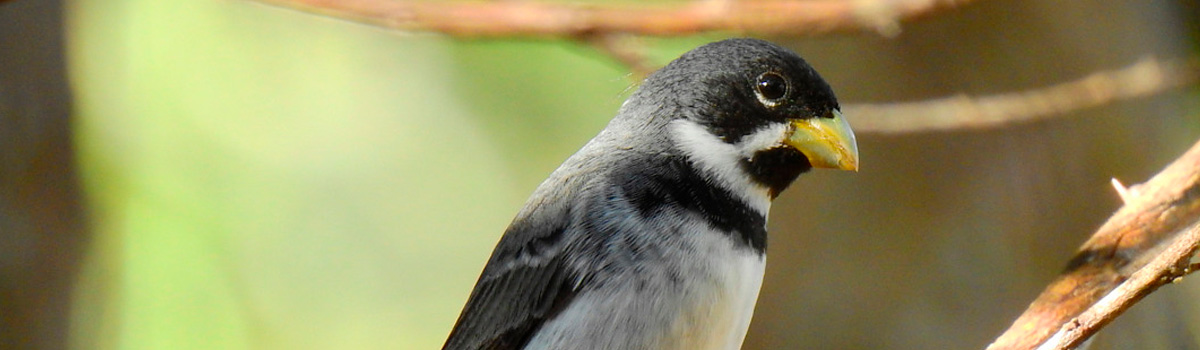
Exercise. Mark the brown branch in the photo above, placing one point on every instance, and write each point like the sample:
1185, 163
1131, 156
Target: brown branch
1147, 77
542, 19
1165, 268
1143, 245
608, 28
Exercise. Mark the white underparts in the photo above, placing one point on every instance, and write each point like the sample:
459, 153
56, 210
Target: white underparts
749, 271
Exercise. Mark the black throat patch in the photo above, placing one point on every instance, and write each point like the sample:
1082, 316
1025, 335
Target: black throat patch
776, 168
673, 182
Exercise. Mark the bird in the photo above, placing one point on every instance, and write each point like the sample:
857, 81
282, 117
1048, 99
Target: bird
653, 235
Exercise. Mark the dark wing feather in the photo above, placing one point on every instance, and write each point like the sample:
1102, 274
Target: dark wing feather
525, 283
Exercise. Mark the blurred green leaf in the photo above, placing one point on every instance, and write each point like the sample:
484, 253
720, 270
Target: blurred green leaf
265, 179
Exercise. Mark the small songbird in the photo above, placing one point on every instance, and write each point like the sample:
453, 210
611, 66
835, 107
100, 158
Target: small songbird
653, 236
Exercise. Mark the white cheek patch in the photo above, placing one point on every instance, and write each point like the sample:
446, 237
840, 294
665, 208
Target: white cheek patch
723, 160
764, 138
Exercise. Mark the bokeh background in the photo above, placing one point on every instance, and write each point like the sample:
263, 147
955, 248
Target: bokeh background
219, 174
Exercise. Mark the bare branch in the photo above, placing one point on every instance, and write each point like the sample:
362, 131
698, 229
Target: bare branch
1147, 243
610, 27
1164, 268
1147, 77
541, 19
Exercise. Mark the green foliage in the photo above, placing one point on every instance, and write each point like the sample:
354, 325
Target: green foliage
266, 179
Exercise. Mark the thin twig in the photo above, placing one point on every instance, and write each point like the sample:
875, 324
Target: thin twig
1147, 77
1163, 269
563, 20
1119, 264
607, 27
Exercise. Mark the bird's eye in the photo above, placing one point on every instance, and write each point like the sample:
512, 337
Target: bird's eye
771, 86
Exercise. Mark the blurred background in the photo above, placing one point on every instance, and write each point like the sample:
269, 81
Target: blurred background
202, 174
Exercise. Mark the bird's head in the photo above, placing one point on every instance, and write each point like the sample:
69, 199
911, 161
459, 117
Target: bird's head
748, 108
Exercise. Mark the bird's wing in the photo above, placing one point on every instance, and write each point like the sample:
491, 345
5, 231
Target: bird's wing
525, 283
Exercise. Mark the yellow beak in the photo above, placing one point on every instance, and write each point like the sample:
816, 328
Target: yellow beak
827, 142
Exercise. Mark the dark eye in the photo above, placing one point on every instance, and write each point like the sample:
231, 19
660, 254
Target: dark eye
771, 86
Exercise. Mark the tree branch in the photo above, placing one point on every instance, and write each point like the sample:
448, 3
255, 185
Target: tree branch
608, 28
555, 20
1147, 77
1145, 244
1165, 268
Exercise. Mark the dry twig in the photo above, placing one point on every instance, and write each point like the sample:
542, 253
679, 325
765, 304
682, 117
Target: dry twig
609, 27
549, 20
1145, 244
1147, 77
1165, 268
